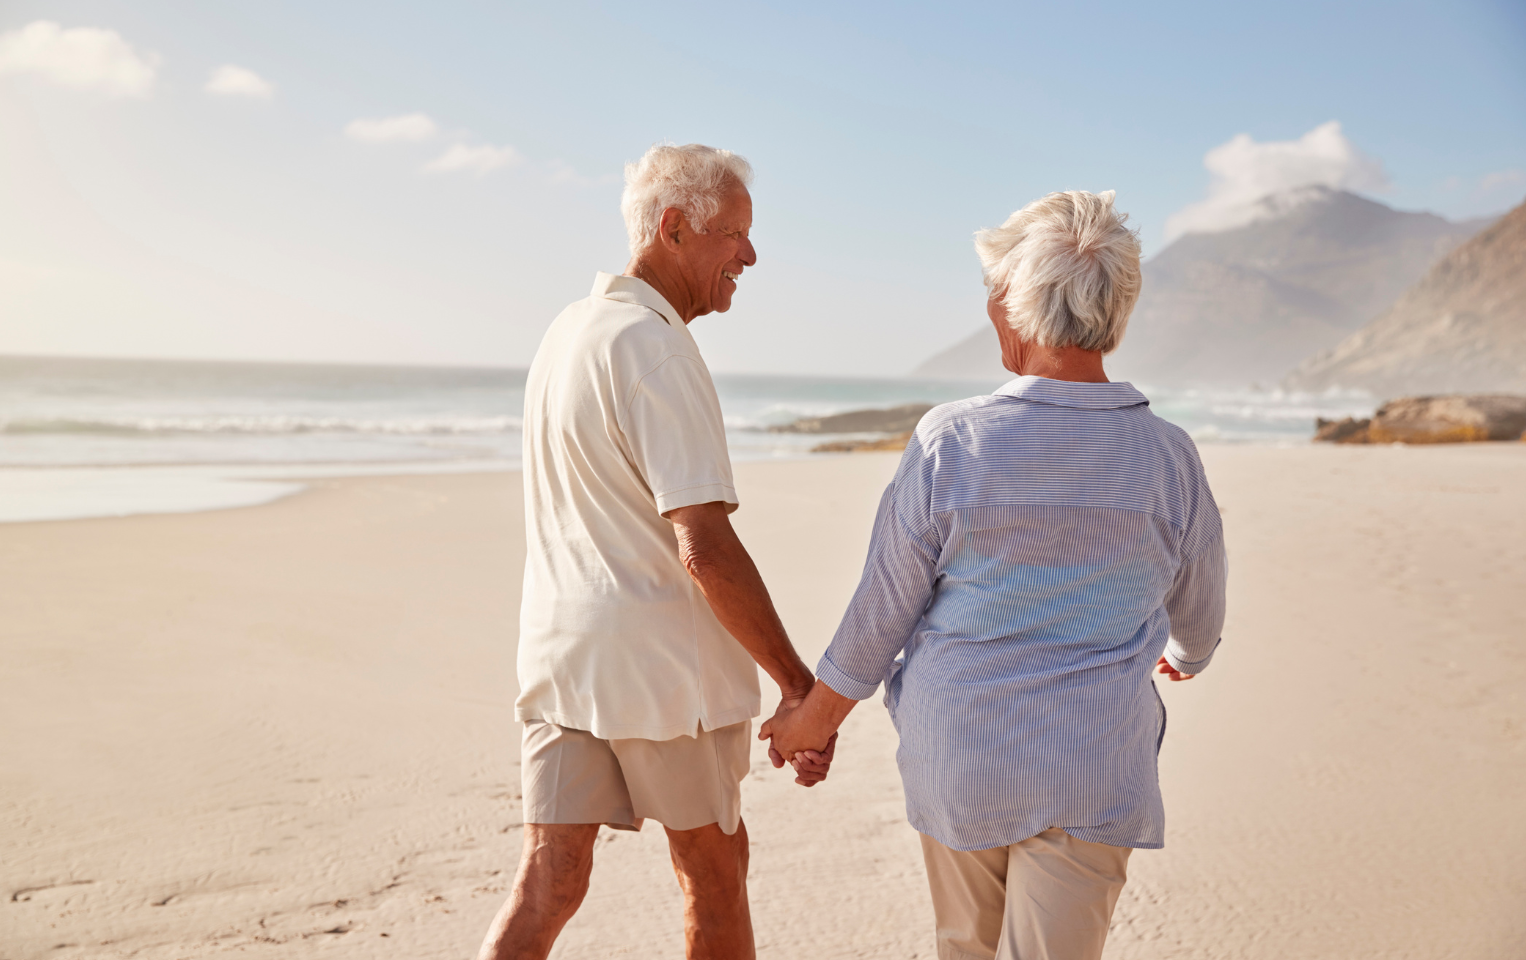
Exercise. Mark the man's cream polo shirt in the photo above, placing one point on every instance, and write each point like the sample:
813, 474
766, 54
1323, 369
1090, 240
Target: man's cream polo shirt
622, 425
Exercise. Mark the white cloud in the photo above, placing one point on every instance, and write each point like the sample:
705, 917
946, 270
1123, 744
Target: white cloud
1501, 178
84, 57
410, 127
1244, 173
478, 160
231, 81
561, 172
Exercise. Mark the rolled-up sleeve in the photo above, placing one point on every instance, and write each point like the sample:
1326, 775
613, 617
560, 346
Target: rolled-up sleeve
1196, 601
1196, 607
895, 589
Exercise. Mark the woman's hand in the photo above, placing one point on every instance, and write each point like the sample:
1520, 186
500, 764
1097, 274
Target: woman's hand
805, 736
1164, 666
810, 767
794, 728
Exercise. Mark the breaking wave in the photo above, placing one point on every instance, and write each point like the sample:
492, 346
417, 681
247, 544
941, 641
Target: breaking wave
264, 425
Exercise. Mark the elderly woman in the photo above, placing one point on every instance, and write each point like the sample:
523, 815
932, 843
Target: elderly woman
1037, 552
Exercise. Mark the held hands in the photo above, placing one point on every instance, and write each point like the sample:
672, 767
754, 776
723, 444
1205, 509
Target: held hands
806, 746
810, 766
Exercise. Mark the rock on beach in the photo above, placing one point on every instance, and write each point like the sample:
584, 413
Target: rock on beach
894, 442
895, 425
902, 419
1449, 419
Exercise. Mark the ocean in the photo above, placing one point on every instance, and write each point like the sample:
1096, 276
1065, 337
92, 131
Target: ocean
85, 437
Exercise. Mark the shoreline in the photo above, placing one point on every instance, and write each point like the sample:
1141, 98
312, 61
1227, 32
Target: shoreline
42, 494
45, 493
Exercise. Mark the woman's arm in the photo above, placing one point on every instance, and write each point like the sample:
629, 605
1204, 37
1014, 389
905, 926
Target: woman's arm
1196, 607
892, 595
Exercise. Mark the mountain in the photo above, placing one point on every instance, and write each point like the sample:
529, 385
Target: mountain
1462, 328
1246, 305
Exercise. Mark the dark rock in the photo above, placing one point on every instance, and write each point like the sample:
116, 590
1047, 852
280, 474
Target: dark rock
896, 442
1349, 430
894, 420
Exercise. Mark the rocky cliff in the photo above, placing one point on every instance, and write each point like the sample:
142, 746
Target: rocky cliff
1246, 305
1461, 328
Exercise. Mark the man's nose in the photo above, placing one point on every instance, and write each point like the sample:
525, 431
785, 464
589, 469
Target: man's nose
748, 255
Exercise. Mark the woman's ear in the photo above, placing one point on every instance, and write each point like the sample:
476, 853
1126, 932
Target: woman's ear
996, 307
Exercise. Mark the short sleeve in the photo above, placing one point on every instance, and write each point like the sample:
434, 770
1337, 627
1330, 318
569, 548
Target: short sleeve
677, 437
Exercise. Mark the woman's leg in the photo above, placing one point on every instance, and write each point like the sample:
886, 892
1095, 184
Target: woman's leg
1060, 897
969, 899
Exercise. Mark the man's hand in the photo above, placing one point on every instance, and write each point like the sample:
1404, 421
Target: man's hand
1164, 666
805, 735
811, 766
793, 731
789, 702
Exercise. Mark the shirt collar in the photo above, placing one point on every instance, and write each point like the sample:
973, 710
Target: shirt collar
1068, 393
611, 286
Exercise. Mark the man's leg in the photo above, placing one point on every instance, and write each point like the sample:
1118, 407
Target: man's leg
1060, 897
969, 892
712, 871
549, 887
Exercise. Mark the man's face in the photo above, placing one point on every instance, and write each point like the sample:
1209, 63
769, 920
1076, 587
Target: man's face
712, 261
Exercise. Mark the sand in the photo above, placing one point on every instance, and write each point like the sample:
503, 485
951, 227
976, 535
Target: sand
287, 731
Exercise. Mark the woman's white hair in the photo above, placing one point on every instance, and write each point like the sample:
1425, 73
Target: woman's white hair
1067, 269
694, 178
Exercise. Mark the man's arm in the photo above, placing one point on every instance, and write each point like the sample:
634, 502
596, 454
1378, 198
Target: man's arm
724, 572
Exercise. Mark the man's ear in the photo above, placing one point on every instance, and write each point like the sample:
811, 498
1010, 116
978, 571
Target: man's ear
671, 226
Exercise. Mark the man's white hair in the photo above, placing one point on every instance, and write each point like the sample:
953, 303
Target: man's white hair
694, 178
1067, 269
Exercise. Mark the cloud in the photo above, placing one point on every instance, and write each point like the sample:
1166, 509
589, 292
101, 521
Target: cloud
86, 58
561, 172
1501, 178
231, 81
1244, 173
410, 127
478, 160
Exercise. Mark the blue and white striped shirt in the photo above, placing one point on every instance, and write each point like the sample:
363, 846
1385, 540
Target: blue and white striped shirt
1030, 560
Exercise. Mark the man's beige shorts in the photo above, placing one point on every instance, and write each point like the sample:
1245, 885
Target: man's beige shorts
572, 776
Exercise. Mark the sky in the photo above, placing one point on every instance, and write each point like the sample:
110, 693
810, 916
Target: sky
431, 183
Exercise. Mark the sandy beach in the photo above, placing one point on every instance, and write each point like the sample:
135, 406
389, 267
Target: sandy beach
287, 730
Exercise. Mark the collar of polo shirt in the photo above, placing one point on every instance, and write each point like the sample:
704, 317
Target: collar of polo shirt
612, 286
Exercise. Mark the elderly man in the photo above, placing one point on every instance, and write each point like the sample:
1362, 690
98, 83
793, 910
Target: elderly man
1036, 553
643, 615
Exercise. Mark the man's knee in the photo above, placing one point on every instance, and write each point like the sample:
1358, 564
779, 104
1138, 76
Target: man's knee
557, 862
711, 864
